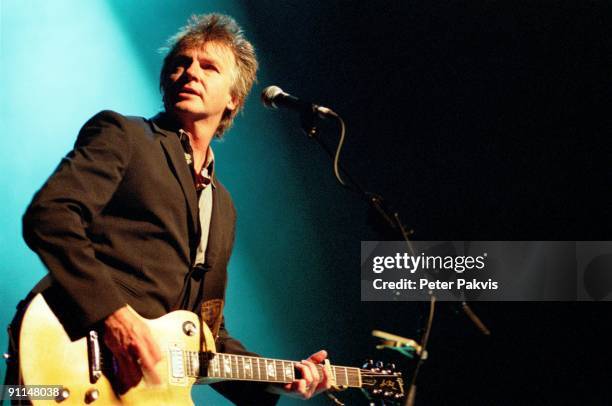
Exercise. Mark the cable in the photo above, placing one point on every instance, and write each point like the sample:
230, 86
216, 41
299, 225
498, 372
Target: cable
411, 391
351, 185
339, 149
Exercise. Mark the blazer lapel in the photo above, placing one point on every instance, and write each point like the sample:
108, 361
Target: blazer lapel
176, 160
216, 229
220, 238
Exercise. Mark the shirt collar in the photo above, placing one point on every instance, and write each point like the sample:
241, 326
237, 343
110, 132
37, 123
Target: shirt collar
165, 124
208, 169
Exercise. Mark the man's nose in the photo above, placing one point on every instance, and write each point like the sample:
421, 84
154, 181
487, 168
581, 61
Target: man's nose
193, 70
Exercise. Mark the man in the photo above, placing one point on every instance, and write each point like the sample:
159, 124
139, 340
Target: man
134, 215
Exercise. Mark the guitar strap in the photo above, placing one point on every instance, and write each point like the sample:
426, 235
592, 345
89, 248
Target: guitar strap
212, 315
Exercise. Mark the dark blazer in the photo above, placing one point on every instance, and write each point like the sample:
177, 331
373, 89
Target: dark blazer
117, 223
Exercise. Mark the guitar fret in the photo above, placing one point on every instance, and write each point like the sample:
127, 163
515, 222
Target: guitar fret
264, 369
288, 371
216, 366
234, 366
270, 369
345, 376
336, 376
259, 369
356, 378
278, 366
227, 368
228, 365
281, 371
219, 358
248, 368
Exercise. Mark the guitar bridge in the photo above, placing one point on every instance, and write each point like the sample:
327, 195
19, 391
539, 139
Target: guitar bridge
93, 353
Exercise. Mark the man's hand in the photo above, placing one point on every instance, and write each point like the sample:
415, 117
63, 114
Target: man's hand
313, 381
135, 351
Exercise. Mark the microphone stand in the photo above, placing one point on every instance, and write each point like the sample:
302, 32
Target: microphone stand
391, 219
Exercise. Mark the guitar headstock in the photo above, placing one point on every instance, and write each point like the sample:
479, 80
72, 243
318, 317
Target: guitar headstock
382, 382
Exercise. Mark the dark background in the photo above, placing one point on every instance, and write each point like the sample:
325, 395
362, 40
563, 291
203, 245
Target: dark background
477, 121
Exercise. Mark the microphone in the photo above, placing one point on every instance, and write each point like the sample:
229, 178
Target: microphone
273, 97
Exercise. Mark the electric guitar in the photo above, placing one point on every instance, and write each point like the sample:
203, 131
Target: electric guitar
83, 369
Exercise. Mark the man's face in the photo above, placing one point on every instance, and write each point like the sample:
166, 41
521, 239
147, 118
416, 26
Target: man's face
200, 81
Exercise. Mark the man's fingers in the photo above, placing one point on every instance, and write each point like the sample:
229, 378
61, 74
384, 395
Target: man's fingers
136, 352
305, 371
318, 357
302, 387
325, 383
312, 381
153, 348
314, 373
147, 361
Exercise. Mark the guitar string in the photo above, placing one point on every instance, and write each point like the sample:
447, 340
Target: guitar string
352, 373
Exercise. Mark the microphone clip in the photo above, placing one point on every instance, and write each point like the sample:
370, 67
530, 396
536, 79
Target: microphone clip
308, 123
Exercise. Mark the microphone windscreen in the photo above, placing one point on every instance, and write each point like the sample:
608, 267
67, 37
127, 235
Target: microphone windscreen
269, 94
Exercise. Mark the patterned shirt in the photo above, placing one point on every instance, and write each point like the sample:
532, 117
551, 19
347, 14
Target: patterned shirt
201, 182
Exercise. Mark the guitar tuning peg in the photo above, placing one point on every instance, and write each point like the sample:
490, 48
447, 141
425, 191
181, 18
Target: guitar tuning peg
379, 364
368, 363
390, 367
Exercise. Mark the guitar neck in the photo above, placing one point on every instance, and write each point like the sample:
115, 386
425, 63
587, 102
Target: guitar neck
247, 368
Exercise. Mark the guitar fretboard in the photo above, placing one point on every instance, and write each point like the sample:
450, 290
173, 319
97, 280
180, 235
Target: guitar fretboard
246, 368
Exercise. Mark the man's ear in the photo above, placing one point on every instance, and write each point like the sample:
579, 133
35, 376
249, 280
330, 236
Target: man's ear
232, 104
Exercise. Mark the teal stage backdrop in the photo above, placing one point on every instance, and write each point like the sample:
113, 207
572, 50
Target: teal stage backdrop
63, 61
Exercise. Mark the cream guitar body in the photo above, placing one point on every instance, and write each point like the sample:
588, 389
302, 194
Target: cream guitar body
48, 357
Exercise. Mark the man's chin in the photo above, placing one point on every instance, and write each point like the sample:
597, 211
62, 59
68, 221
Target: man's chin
185, 110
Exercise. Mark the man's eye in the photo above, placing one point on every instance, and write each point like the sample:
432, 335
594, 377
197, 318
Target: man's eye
176, 66
209, 66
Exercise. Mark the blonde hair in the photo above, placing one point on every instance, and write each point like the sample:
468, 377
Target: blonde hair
223, 29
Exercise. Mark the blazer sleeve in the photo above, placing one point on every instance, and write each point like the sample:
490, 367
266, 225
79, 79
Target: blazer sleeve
55, 224
241, 393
